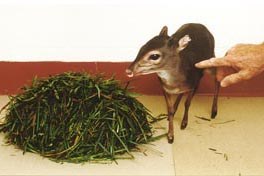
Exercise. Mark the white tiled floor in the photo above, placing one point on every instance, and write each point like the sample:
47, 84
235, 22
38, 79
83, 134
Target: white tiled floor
238, 144
241, 140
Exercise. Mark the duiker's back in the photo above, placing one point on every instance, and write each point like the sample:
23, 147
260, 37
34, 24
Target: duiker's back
200, 48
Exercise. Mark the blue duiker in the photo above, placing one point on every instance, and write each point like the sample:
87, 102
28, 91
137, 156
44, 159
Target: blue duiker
173, 58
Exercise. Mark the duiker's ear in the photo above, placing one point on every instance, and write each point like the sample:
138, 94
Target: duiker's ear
183, 42
164, 31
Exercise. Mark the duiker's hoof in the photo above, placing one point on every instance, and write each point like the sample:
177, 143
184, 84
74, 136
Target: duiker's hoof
170, 139
183, 125
213, 115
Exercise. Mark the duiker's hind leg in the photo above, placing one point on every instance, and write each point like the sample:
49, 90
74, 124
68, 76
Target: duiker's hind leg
215, 100
187, 104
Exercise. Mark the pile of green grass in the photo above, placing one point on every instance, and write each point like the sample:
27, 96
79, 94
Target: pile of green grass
76, 117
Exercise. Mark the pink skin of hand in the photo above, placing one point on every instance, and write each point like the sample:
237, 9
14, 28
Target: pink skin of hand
242, 62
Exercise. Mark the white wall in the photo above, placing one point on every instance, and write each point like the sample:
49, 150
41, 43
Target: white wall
113, 30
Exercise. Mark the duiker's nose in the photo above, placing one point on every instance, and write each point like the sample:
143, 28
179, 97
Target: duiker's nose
129, 73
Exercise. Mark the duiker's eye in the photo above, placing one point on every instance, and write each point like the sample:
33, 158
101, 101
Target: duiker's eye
154, 56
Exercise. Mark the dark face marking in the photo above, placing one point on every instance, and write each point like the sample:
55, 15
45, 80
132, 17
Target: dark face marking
153, 44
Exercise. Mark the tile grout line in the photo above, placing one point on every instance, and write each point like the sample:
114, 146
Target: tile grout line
173, 160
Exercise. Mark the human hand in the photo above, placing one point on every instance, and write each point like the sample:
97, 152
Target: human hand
242, 62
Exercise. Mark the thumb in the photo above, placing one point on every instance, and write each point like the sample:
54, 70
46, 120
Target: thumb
235, 78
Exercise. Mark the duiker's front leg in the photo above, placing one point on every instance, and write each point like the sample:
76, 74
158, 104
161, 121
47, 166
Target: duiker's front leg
176, 104
188, 100
178, 100
172, 105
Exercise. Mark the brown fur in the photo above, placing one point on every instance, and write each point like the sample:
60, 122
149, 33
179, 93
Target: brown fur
173, 58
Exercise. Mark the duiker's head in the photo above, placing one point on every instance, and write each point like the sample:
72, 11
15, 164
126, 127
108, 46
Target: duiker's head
158, 54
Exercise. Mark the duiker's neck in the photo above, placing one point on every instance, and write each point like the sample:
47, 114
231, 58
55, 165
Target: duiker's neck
171, 77
172, 72
173, 80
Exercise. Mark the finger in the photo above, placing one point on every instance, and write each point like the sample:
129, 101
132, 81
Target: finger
222, 72
235, 78
213, 62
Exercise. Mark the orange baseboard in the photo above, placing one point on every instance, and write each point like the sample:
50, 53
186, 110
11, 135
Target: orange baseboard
14, 75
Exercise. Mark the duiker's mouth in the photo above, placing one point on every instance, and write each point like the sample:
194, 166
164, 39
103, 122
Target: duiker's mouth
129, 73
132, 74
139, 72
